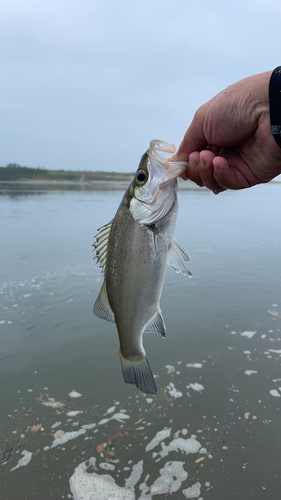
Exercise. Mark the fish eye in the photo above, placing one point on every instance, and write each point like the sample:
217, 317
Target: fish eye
141, 176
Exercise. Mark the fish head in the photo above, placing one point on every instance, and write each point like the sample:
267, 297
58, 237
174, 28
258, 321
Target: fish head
154, 188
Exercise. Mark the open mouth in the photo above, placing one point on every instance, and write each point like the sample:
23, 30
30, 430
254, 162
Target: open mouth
161, 167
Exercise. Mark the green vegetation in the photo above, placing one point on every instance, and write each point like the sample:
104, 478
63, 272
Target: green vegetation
15, 172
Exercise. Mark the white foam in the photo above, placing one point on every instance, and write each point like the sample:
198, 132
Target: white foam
171, 478
274, 393
75, 394
160, 436
135, 476
111, 409
250, 372
277, 351
27, 455
53, 404
59, 434
56, 424
170, 369
194, 365
248, 334
85, 486
106, 466
174, 393
196, 386
67, 436
189, 445
88, 426
193, 492
117, 416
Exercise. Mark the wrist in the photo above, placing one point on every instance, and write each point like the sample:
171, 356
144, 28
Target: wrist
275, 104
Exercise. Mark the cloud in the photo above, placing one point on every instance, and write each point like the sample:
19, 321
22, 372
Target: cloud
87, 84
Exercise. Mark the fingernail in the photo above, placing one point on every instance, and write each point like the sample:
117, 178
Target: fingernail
216, 167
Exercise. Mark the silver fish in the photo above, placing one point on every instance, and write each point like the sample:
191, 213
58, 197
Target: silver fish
133, 250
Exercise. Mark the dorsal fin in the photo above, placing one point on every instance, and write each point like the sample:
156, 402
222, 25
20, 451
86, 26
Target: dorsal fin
101, 244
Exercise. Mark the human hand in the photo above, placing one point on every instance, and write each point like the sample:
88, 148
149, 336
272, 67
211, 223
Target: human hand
229, 143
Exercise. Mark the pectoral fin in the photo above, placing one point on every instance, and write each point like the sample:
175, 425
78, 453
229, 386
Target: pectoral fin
102, 307
156, 324
138, 372
177, 258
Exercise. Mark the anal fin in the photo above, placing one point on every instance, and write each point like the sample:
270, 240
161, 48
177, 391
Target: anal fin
156, 324
102, 307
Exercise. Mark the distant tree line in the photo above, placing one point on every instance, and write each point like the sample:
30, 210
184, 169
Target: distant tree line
15, 172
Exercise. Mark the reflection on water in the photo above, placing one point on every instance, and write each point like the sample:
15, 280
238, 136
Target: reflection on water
213, 430
14, 190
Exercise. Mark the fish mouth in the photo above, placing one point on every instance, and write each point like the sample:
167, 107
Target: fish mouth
162, 171
162, 168
153, 200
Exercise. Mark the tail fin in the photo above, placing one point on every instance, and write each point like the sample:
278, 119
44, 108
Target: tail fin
138, 373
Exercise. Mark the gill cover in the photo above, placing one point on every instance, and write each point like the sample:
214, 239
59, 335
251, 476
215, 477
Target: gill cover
155, 185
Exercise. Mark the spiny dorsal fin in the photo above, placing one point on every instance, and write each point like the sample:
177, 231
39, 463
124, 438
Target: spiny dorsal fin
101, 244
177, 258
156, 324
102, 307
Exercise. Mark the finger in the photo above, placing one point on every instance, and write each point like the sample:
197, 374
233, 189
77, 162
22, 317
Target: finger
233, 173
193, 168
206, 171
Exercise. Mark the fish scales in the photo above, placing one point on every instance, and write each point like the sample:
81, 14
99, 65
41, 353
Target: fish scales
139, 245
137, 263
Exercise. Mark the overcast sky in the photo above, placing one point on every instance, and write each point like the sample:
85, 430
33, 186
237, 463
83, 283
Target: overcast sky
86, 84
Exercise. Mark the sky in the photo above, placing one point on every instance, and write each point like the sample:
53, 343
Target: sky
87, 84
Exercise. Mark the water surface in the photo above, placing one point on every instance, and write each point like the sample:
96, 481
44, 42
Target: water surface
216, 425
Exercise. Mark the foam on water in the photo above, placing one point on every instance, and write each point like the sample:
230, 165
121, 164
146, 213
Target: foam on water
274, 393
171, 478
27, 455
160, 436
174, 393
85, 486
196, 386
248, 334
193, 492
116, 416
189, 445
67, 436
135, 476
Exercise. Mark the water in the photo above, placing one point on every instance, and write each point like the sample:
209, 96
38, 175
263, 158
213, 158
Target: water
213, 431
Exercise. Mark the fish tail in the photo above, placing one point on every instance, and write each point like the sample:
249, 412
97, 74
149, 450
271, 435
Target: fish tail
138, 372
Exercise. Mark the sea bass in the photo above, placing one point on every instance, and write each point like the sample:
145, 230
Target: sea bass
133, 250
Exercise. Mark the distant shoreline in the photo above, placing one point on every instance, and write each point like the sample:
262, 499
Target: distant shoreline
183, 185
97, 184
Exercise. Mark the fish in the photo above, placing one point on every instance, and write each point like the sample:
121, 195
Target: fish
133, 250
